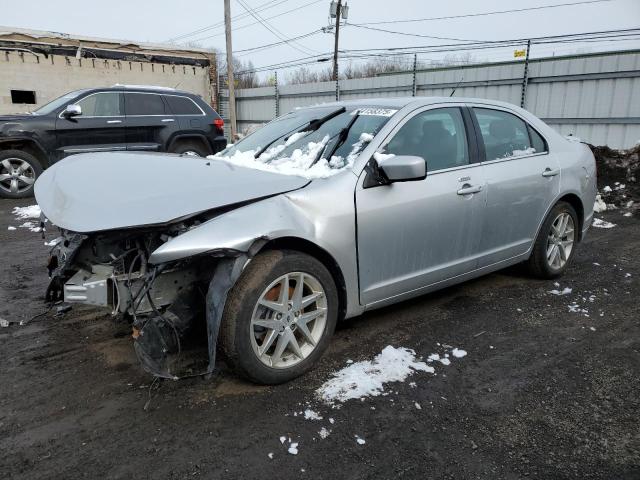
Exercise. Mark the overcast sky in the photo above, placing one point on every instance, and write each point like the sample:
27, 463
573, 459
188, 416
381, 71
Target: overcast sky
161, 20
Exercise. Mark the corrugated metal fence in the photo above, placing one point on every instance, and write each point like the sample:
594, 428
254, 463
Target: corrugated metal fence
593, 96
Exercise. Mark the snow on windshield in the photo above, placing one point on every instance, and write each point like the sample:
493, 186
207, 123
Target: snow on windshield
300, 161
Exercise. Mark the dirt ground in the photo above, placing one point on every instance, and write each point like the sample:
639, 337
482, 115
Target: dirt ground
543, 392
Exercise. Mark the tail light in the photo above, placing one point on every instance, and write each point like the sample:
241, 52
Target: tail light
219, 124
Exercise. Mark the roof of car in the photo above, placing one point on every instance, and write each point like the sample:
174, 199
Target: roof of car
141, 88
400, 102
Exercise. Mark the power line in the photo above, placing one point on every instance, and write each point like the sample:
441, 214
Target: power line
261, 7
256, 23
482, 14
360, 25
274, 30
602, 36
270, 45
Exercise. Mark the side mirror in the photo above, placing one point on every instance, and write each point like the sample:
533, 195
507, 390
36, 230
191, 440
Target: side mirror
402, 168
72, 111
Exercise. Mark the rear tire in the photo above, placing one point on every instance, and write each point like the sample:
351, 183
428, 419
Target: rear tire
18, 172
556, 242
190, 147
251, 333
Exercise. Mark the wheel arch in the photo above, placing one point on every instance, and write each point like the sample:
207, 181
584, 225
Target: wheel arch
29, 146
305, 246
189, 137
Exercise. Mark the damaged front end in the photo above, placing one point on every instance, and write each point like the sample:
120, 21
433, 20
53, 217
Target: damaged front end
165, 303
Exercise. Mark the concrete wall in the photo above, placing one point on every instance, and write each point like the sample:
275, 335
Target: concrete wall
53, 76
593, 96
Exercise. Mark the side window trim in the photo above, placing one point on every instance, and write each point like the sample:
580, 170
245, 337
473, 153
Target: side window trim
480, 139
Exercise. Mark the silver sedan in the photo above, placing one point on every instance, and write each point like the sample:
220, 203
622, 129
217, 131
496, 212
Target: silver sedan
320, 215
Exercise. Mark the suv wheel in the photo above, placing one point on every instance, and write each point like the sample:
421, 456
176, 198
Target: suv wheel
190, 147
18, 172
279, 317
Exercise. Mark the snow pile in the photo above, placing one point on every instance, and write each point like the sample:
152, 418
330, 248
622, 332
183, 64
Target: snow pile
324, 433
367, 378
10, 228
300, 162
599, 206
360, 441
32, 211
599, 223
458, 353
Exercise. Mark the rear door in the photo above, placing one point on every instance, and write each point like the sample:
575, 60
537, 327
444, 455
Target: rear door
412, 235
150, 122
523, 178
100, 127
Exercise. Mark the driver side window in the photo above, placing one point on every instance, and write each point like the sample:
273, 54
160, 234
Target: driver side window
436, 135
105, 104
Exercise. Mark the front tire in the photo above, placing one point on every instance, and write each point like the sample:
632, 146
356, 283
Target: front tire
18, 172
556, 242
190, 147
279, 317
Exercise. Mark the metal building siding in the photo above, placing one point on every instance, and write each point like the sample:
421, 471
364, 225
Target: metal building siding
593, 96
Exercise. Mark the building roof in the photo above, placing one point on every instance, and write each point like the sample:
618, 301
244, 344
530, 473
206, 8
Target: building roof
45, 42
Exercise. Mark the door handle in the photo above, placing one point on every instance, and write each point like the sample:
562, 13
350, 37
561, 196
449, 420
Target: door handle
469, 189
168, 120
114, 121
550, 173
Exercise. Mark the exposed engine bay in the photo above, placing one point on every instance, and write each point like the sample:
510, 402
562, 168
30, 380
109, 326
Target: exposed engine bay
164, 303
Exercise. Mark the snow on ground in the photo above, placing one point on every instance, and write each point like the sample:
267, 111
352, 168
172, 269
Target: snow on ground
599, 223
361, 441
301, 159
367, 378
11, 228
458, 353
565, 291
324, 433
293, 448
311, 415
31, 211
599, 206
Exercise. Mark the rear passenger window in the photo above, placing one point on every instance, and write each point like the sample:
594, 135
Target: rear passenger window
182, 105
504, 134
143, 104
537, 141
436, 135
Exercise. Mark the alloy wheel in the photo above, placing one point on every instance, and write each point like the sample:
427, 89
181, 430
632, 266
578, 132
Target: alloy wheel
16, 175
289, 320
560, 241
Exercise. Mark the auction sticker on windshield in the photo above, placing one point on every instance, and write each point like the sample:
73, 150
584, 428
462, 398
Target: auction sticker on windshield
378, 112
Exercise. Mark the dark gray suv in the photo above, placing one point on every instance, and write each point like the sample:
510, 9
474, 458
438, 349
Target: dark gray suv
134, 118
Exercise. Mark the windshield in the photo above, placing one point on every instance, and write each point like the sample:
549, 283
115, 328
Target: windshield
53, 105
297, 146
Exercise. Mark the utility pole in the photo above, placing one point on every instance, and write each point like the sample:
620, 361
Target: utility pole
230, 81
335, 48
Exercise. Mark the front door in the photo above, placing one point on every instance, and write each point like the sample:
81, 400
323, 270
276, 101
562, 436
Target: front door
523, 179
412, 235
100, 127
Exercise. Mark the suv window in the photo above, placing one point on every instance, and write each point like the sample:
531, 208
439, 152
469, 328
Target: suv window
505, 135
182, 105
105, 104
437, 135
144, 104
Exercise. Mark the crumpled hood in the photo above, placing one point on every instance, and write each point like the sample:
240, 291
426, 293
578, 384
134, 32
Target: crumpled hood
104, 191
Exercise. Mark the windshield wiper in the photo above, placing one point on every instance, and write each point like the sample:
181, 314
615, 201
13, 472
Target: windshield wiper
342, 137
312, 126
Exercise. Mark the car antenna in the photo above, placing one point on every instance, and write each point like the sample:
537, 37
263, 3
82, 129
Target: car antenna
456, 87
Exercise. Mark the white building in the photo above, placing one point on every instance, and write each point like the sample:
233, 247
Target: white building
38, 66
